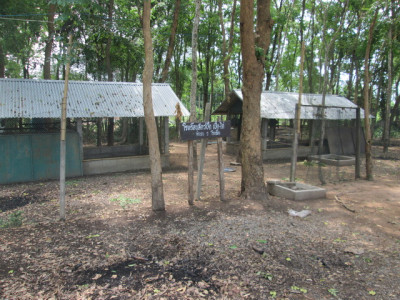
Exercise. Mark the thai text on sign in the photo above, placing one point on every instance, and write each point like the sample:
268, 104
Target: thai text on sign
204, 130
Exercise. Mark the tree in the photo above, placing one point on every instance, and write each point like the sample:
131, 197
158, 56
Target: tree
171, 44
49, 41
193, 90
254, 48
386, 131
110, 127
226, 53
157, 192
368, 135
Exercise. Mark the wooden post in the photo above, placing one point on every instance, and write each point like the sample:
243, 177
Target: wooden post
190, 173
264, 134
79, 130
294, 146
63, 133
358, 132
166, 135
221, 169
202, 154
141, 134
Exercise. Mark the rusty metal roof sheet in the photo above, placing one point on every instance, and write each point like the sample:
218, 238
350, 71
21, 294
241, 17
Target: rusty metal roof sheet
26, 98
281, 105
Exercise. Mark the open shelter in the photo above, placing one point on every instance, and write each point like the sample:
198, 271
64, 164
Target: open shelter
277, 114
30, 112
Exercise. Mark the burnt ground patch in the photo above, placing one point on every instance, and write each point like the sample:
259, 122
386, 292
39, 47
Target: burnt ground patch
27, 197
135, 274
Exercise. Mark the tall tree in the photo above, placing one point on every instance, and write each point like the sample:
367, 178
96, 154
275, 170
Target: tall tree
193, 86
325, 82
110, 9
193, 90
254, 48
49, 41
226, 51
171, 43
386, 131
368, 135
157, 191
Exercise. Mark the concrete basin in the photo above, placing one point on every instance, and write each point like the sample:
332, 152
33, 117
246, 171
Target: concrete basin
334, 159
295, 190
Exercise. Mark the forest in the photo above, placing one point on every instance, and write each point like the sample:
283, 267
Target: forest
108, 46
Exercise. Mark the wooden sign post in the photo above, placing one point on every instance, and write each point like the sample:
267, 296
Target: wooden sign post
205, 130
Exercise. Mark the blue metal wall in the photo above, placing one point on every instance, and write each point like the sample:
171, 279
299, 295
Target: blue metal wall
30, 157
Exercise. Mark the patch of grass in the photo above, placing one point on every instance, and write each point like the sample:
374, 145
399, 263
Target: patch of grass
339, 240
13, 220
90, 236
262, 241
300, 289
73, 183
125, 201
333, 292
265, 275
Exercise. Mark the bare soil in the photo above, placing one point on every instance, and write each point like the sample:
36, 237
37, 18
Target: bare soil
112, 246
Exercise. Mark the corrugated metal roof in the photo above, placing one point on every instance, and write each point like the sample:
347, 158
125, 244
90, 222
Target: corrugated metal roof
282, 105
26, 98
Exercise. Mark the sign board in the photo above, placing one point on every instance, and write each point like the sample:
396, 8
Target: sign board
204, 130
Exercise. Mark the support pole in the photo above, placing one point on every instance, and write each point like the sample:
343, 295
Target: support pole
63, 133
221, 169
79, 130
295, 145
141, 135
358, 132
166, 135
190, 173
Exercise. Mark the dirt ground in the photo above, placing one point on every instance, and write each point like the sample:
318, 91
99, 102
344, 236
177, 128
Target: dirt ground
112, 246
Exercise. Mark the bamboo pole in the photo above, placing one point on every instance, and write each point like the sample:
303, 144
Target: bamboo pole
63, 132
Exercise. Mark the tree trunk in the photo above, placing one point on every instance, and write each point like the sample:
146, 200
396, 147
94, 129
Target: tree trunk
310, 52
394, 110
49, 42
193, 87
2, 62
386, 131
253, 53
154, 149
368, 137
224, 56
48, 123
171, 44
325, 84
193, 90
110, 127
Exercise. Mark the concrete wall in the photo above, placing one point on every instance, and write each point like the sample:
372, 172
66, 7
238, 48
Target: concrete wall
120, 164
36, 156
112, 151
275, 153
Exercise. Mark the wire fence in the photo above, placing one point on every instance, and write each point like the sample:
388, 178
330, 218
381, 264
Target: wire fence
95, 131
